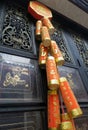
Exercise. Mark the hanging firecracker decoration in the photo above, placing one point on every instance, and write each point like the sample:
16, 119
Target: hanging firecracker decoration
53, 110
38, 10
70, 101
49, 47
45, 36
43, 53
52, 73
38, 29
55, 51
46, 22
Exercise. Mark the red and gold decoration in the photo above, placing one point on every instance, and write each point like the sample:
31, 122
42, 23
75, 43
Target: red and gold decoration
38, 10
52, 73
70, 101
38, 29
46, 22
49, 57
43, 53
45, 36
55, 51
67, 122
53, 110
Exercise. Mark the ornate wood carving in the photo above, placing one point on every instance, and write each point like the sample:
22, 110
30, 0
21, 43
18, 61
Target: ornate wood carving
82, 47
58, 37
17, 29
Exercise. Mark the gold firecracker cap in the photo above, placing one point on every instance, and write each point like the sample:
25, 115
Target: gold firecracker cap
53, 84
65, 116
59, 60
42, 63
67, 125
76, 112
39, 21
52, 92
62, 79
46, 42
51, 58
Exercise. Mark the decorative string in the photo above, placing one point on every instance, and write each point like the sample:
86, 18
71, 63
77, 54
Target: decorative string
61, 102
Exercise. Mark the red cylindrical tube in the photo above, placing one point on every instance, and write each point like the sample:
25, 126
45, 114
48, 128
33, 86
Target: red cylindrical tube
70, 101
38, 29
45, 36
55, 51
43, 53
53, 110
52, 73
66, 122
46, 22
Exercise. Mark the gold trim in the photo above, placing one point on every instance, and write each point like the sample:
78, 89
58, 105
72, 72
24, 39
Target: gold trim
50, 58
53, 129
59, 60
65, 116
53, 82
76, 113
67, 125
46, 42
52, 41
42, 62
62, 79
39, 21
53, 87
52, 92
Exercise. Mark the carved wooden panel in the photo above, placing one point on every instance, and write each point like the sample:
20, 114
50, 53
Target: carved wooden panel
75, 82
82, 47
20, 80
17, 28
32, 120
59, 38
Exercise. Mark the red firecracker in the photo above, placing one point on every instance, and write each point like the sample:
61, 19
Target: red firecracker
52, 73
45, 36
38, 29
43, 53
53, 110
70, 101
55, 51
46, 22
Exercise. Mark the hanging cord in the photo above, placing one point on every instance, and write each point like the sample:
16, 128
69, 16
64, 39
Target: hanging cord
73, 124
61, 103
